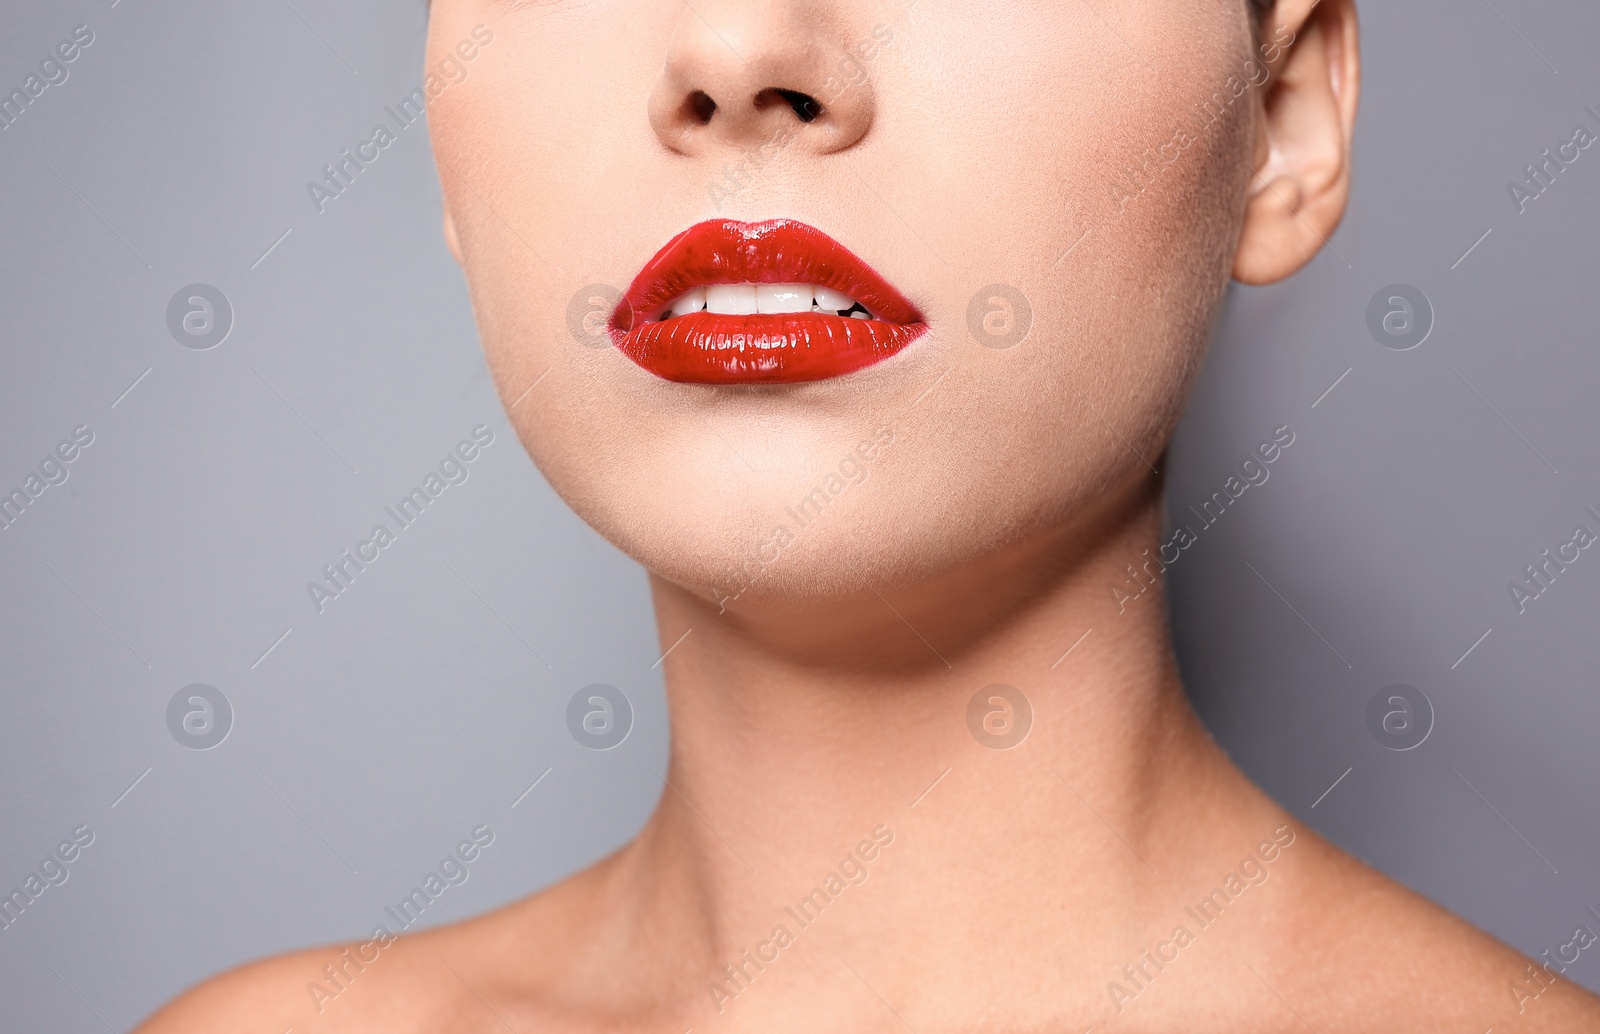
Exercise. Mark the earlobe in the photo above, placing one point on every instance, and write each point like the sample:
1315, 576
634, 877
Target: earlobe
450, 239
1301, 156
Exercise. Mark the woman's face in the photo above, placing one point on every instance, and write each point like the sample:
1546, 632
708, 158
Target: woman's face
1069, 174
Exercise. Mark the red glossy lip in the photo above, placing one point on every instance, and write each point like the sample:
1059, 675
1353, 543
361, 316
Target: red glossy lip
777, 348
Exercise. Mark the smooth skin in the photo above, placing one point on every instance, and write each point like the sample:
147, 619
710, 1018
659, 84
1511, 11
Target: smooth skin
823, 693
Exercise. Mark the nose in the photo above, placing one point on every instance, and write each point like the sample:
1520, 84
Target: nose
742, 73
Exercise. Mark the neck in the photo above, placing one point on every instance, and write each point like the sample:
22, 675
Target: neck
802, 739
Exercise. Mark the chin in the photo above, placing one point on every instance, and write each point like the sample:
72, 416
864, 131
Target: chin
814, 508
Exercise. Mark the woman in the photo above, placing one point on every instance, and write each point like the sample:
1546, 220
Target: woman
863, 326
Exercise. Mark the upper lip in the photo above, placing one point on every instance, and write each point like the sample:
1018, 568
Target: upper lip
777, 251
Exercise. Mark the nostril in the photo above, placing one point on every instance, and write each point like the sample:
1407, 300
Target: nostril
701, 106
805, 106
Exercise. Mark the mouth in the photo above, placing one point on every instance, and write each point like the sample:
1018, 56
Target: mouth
775, 302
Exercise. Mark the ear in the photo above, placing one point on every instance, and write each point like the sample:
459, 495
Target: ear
1304, 128
450, 239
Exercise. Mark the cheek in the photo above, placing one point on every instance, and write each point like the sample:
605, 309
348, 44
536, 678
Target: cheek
1120, 296
539, 156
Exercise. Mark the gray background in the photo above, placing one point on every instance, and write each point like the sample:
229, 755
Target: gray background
426, 699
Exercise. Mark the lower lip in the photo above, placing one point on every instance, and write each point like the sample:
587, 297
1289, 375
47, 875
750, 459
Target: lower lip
781, 348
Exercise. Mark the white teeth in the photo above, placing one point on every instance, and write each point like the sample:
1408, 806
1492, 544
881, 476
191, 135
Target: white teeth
693, 301
783, 297
831, 300
750, 299
731, 299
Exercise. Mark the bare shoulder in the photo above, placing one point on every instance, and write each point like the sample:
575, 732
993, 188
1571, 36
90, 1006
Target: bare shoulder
343, 987
457, 977
1399, 955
